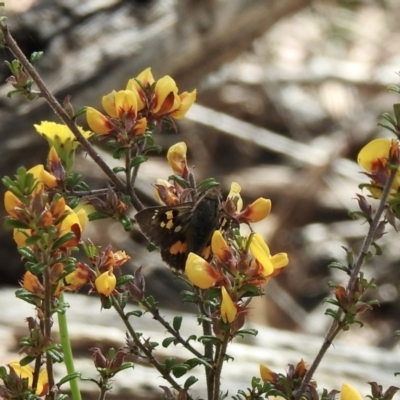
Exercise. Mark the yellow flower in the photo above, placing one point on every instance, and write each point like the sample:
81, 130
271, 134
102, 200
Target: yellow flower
373, 153
260, 251
59, 135
167, 102
256, 211
235, 197
187, 99
20, 236
76, 279
200, 272
74, 222
106, 282
62, 139
220, 248
26, 371
98, 122
32, 284
228, 307
43, 177
11, 202
177, 158
145, 78
349, 393
108, 103
126, 104
266, 374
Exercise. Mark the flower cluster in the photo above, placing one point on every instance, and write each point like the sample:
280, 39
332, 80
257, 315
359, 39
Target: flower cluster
144, 101
380, 158
239, 266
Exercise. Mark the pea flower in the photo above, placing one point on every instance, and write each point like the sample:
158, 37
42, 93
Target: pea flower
270, 265
176, 156
62, 139
106, 282
32, 284
377, 157
228, 307
26, 371
200, 272
349, 393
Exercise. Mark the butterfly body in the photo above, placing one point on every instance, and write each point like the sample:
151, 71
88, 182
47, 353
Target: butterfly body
183, 228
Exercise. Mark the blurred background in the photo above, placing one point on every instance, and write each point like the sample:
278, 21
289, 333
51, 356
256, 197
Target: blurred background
288, 93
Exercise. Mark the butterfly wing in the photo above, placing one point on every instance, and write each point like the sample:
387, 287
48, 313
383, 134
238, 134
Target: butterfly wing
168, 229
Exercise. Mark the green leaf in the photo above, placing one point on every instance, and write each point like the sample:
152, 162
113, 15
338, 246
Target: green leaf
125, 365
177, 322
68, 378
208, 339
138, 160
167, 341
26, 360
179, 370
191, 337
118, 153
97, 215
37, 268
190, 381
126, 223
332, 313
27, 253
116, 170
252, 332
125, 279
156, 148
55, 355
15, 224
338, 265
63, 240
388, 128
169, 363
136, 313
27, 296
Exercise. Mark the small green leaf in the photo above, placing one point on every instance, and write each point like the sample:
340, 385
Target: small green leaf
15, 224
68, 378
169, 363
116, 170
26, 360
119, 153
136, 313
27, 253
37, 268
126, 223
63, 240
125, 279
179, 370
190, 381
167, 341
138, 160
191, 337
97, 215
252, 332
55, 355
177, 323
156, 148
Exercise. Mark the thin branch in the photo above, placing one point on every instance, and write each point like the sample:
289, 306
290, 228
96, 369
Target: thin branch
56, 107
336, 326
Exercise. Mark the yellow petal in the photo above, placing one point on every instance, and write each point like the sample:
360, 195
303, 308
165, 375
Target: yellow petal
234, 195
98, 122
266, 374
108, 103
261, 253
126, 103
43, 177
177, 158
373, 151
258, 210
280, 260
187, 100
106, 282
349, 393
228, 307
11, 201
165, 89
219, 247
199, 271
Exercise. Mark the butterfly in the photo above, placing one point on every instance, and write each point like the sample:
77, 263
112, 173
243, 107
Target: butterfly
184, 228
